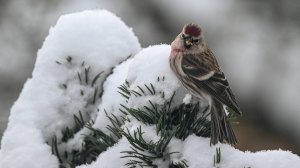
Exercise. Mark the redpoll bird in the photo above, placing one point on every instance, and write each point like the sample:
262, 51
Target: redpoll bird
197, 68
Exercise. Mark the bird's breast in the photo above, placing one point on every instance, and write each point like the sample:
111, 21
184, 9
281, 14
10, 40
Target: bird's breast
175, 63
176, 51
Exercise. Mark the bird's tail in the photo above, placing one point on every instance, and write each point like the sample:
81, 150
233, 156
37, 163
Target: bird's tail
220, 127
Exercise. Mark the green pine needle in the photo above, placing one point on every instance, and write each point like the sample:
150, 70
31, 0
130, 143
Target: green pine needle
96, 78
86, 72
69, 59
79, 77
143, 152
180, 164
217, 156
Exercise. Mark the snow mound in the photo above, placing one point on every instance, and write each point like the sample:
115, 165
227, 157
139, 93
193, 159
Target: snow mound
78, 54
151, 66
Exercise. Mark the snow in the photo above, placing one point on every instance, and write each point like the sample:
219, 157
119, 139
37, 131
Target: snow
149, 65
187, 99
111, 157
96, 39
199, 154
101, 41
111, 99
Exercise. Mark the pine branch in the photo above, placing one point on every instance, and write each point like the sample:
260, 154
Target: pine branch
124, 90
188, 121
143, 153
180, 164
55, 149
116, 123
68, 133
97, 141
179, 122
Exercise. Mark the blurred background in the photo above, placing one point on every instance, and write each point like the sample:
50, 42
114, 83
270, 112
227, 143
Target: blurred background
256, 42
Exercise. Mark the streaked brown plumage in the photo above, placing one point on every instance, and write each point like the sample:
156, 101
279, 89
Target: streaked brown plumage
197, 68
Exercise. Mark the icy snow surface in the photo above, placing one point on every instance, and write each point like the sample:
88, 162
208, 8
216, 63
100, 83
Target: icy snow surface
62, 85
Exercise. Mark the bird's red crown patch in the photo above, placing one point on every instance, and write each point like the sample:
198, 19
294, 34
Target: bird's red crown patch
192, 30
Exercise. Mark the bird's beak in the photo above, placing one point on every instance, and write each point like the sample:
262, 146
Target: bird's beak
188, 43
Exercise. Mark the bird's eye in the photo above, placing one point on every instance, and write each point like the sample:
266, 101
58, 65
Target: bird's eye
182, 35
195, 40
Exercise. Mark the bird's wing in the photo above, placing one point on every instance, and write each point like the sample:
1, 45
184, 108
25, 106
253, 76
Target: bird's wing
213, 82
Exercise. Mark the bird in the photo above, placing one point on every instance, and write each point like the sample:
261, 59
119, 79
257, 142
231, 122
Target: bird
195, 65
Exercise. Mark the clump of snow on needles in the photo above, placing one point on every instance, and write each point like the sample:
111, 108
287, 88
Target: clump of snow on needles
81, 45
100, 43
187, 99
151, 66
111, 98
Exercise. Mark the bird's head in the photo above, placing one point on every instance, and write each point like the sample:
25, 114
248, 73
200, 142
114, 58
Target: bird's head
191, 35
190, 39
